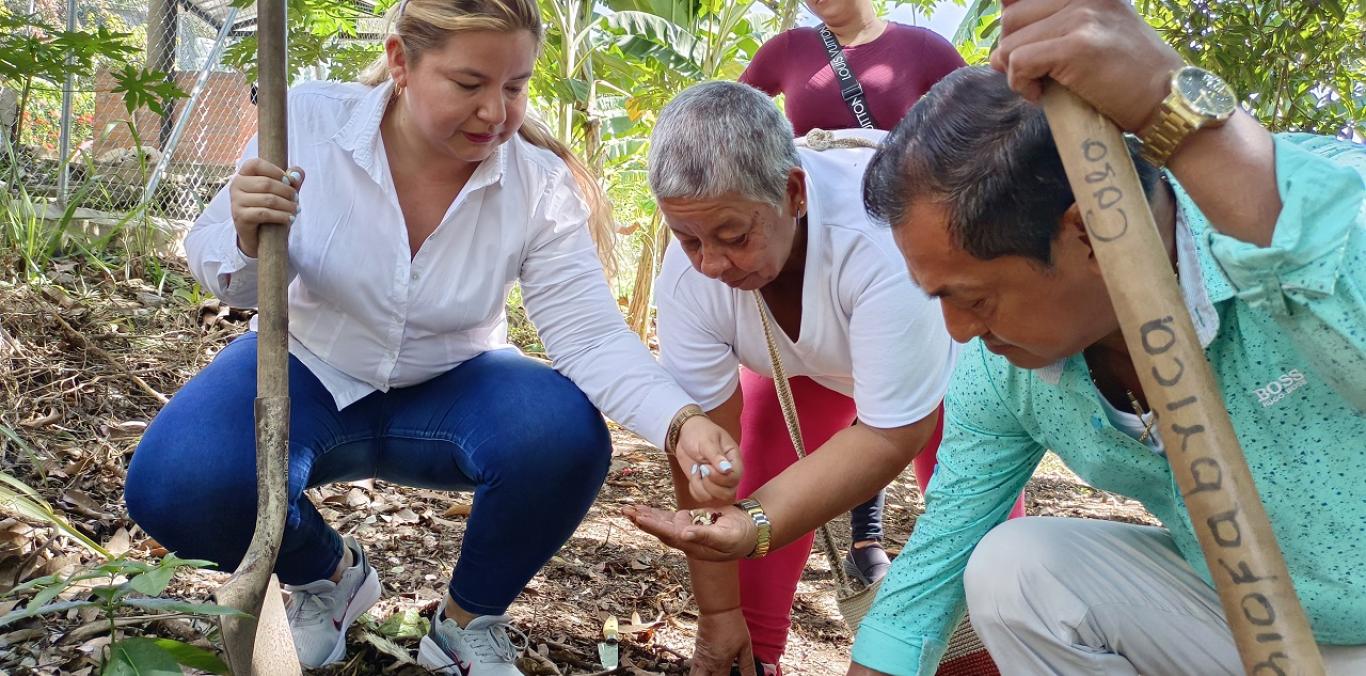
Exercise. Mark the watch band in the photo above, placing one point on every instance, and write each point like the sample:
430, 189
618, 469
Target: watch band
1162, 138
761, 523
676, 425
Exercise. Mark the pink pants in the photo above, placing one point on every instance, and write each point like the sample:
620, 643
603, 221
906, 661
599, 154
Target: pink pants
768, 585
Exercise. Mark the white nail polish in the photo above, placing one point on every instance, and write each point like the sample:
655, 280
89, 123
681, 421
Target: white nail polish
694, 469
706, 471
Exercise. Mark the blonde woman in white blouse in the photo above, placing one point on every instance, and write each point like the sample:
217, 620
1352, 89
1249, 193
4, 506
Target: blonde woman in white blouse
429, 195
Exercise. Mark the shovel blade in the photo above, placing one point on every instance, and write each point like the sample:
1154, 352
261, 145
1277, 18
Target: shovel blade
274, 654
262, 645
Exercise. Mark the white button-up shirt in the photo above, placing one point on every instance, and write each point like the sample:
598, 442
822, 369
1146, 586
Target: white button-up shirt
365, 315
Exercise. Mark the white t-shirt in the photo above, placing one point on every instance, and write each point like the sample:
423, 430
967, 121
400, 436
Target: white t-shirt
867, 331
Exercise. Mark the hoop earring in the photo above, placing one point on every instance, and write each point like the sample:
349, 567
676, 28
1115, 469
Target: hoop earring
398, 89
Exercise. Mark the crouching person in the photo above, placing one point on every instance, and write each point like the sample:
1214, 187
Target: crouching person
430, 197
867, 353
1267, 235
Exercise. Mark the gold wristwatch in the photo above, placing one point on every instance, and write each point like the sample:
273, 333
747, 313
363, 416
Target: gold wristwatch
676, 425
761, 523
1198, 99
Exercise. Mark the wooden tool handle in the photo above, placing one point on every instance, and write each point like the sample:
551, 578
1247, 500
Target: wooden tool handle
272, 136
1269, 626
264, 646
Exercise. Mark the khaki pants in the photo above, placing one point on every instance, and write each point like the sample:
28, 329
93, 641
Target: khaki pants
1080, 596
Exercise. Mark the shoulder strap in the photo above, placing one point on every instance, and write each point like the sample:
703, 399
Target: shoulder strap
794, 431
850, 89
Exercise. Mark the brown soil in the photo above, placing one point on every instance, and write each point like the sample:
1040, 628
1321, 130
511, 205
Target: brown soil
83, 362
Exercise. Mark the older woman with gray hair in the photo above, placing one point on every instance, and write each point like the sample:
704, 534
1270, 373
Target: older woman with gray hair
866, 350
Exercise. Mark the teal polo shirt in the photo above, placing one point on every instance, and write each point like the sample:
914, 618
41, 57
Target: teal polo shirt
1287, 340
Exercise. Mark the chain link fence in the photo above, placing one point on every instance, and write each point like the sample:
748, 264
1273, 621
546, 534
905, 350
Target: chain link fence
116, 162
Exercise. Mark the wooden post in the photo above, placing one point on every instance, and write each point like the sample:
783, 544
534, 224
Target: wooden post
1268, 623
252, 581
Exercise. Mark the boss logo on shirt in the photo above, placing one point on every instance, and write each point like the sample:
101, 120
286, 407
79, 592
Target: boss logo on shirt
1277, 389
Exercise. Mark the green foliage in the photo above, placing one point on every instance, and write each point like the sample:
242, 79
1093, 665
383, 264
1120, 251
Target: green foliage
145, 88
318, 34
33, 52
1297, 65
977, 31
132, 587
18, 498
38, 234
405, 624
33, 49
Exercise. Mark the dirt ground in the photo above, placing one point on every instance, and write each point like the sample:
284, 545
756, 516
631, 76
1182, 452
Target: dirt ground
84, 365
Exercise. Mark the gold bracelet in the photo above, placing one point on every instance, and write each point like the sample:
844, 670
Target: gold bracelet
761, 523
676, 425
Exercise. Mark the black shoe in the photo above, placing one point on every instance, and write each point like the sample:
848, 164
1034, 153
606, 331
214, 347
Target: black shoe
869, 564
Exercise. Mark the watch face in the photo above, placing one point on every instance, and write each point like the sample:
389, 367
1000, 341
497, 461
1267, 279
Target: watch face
1205, 92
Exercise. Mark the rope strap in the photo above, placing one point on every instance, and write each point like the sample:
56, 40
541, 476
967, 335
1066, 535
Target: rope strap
821, 140
794, 431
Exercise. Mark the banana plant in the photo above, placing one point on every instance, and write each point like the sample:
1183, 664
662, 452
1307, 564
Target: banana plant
665, 46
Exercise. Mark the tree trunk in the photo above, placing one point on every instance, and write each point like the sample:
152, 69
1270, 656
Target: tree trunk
651, 256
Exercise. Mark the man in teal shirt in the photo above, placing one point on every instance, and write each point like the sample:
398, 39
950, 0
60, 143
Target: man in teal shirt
1267, 235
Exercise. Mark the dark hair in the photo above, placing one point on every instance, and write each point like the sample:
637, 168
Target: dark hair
975, 146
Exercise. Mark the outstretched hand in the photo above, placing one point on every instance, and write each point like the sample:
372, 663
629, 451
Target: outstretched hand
730, 537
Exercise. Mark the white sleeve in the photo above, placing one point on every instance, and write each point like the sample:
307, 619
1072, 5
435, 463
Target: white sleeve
902, 353
568, 300
212, 253
692, 349
211, 245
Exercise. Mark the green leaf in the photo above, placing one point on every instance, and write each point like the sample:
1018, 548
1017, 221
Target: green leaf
48, 593
407, 624
193, 657
124, 566
17, 497
176, 562
146, 88
34, 584
140, 656
154, 581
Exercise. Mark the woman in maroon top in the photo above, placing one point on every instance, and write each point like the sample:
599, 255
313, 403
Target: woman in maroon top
895, 63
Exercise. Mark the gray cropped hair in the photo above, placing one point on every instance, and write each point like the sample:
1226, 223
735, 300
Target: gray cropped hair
720, 137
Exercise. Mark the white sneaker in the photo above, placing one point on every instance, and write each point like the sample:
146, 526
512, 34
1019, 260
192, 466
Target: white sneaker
481, 649
321, 612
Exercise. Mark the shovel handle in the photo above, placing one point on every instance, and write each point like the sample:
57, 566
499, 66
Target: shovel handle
1269, 625
247, 589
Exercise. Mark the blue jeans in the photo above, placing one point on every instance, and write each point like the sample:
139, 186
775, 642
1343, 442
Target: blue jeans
514, 431
865, 521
